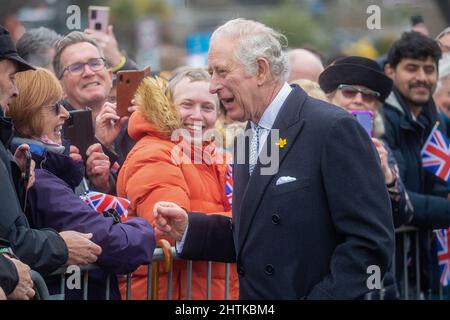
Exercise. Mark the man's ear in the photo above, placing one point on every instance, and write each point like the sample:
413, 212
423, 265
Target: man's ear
263, 70
110, 75
61, 81
389, 71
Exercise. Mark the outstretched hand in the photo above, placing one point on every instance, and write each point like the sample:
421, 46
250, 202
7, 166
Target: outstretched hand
170, 220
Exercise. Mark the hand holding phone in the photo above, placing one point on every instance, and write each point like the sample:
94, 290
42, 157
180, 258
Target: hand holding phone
365, 119
98, 18
79, 130
127, 83
26, 174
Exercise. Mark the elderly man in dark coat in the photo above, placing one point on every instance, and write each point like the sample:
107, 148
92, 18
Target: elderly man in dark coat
312, 223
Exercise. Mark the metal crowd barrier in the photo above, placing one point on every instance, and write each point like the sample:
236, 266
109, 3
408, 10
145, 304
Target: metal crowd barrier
165, 254
407, 235
40, 288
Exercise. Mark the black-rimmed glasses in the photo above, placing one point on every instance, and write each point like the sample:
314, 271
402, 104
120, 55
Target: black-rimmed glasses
95, 64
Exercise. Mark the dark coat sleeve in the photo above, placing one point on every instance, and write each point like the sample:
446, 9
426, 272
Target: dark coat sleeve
350, 162
209, 238
8, 275
43, 250
125, 246
430, 211
402, 209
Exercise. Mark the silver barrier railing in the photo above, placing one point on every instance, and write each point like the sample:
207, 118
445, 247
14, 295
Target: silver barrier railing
158, 256
407, 235
40, 288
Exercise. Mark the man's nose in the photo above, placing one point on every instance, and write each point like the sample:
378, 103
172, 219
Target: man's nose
15, 91
87, 70
421, 75
214, 84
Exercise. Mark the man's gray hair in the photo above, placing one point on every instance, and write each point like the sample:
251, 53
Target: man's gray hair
444, 71
255, 40
193, 74
443, 33
72, 38
35, 44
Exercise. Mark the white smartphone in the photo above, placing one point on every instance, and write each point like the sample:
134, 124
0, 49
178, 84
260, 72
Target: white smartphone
98, 18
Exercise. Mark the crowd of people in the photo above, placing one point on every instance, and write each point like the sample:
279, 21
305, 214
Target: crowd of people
310, 230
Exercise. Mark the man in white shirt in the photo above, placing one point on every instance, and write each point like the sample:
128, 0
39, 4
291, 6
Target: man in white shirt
314, 227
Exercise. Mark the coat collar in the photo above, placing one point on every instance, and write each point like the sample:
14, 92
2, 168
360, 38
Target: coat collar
252, 189
6, 129
54, 160
424, 122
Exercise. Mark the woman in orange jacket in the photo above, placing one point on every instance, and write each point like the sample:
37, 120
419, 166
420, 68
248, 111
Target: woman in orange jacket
174, 160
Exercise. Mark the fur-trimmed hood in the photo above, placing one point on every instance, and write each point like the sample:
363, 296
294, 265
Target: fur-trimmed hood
157, 115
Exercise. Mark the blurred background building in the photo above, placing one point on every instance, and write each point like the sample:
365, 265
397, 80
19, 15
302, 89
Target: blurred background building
170, 33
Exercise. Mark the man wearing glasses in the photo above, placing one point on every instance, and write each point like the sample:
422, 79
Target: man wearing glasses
80, 65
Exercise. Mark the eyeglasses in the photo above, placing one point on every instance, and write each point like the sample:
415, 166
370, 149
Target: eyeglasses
95, 64
350, 92
56, 108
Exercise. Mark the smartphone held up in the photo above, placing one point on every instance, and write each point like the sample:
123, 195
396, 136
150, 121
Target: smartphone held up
127, 83
365, 119
98, 18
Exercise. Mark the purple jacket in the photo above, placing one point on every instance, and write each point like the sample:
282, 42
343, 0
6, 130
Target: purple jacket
53, 203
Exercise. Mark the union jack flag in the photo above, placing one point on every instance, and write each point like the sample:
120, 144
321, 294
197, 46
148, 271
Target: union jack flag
443, 255
101, 202
229, 184
436, 155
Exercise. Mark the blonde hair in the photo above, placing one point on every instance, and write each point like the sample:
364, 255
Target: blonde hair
156, 104
193, 75
36, 89
311, 88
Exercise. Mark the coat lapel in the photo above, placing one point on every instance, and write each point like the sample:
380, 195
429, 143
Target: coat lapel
240, 174
290, 125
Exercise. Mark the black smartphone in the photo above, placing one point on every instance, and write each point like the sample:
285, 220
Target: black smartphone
79, 130
26, 174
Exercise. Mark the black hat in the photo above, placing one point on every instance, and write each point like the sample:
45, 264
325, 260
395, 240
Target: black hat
355, 70
415, 20
8, 51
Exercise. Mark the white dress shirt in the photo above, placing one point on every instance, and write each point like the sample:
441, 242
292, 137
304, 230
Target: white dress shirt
266, 122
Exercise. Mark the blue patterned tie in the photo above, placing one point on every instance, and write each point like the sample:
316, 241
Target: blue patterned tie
254, 148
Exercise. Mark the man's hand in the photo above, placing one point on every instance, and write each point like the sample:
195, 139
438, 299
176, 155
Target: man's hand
97, 167
21, 161
170, 220
108, 124
81, 249
74, 153
389, 177
24, 289
108, 43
